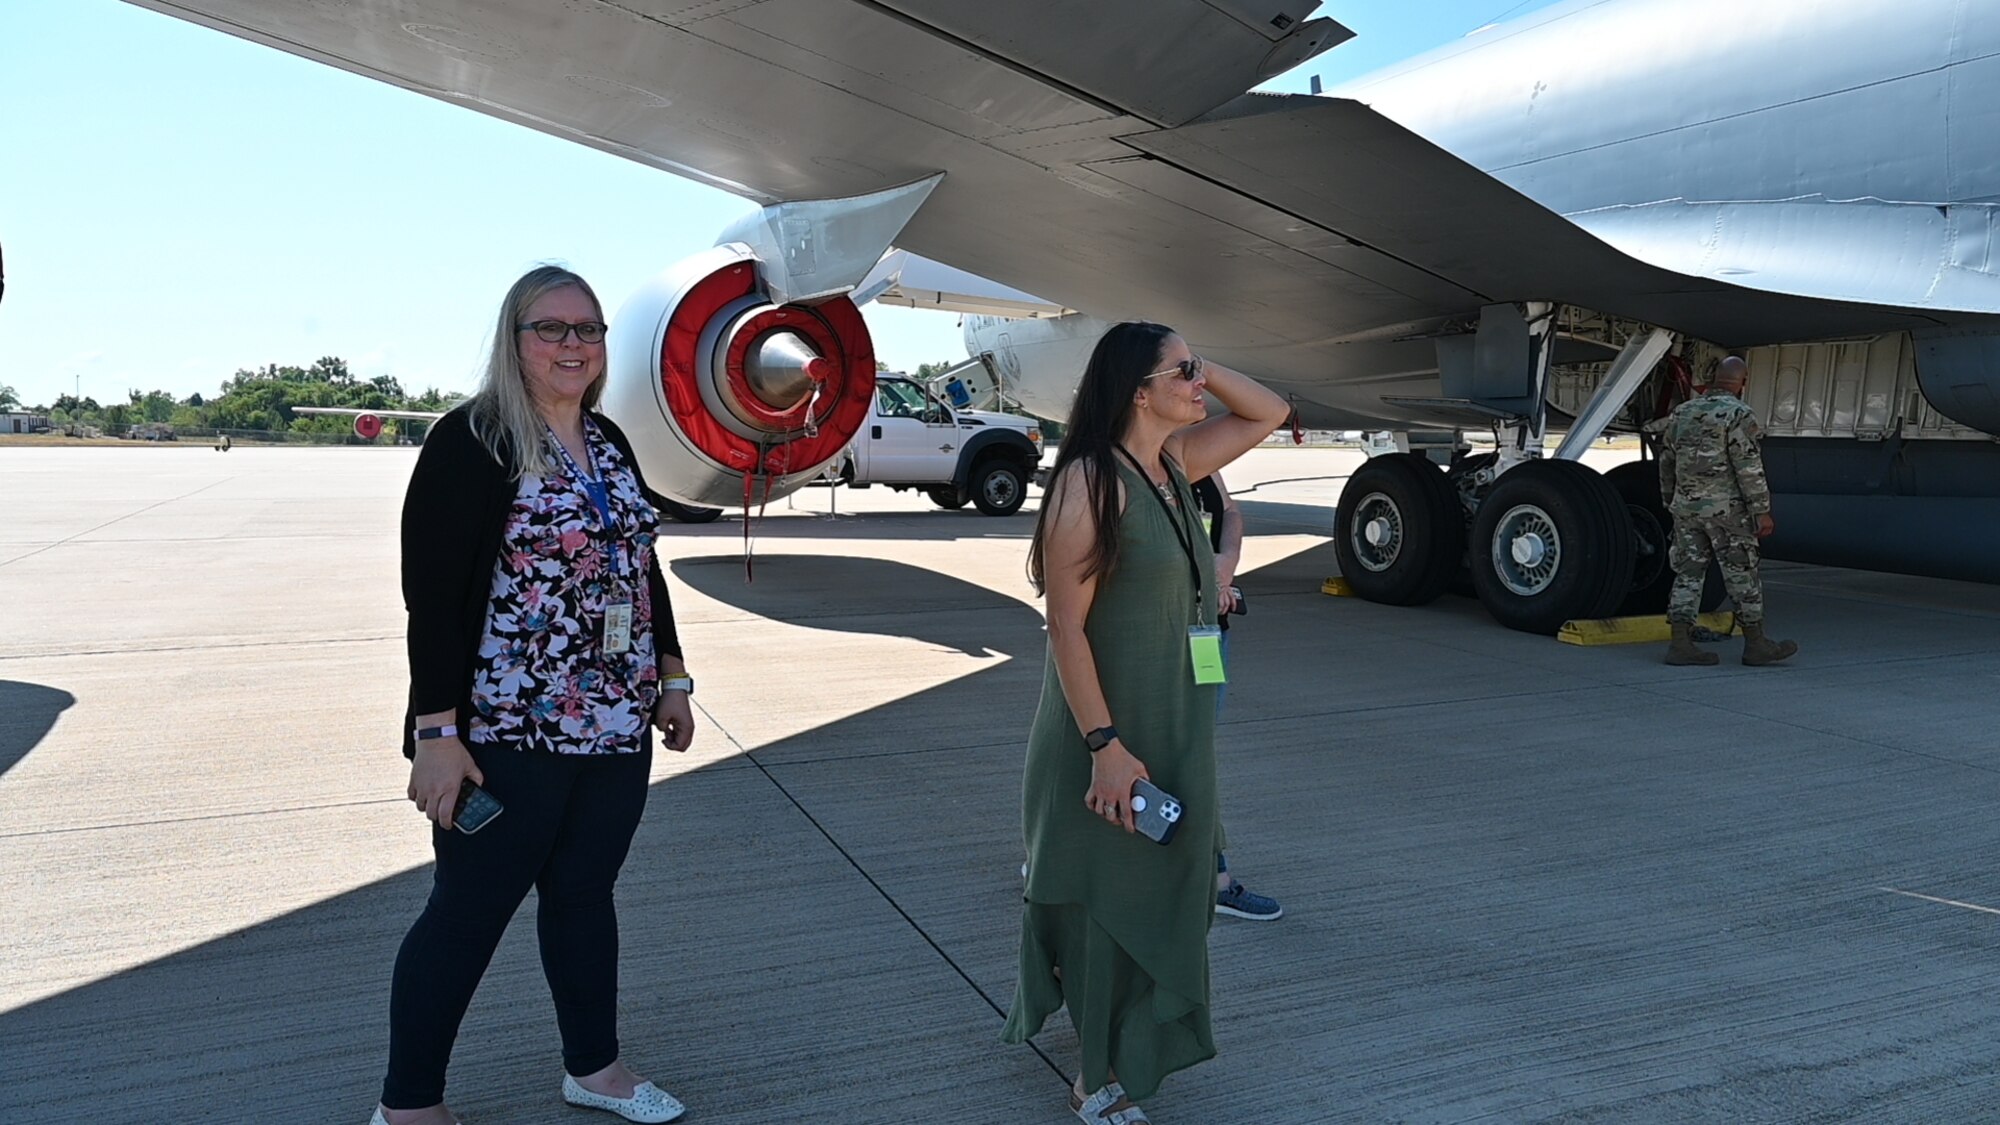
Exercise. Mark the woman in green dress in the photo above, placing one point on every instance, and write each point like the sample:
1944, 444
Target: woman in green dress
1115, 926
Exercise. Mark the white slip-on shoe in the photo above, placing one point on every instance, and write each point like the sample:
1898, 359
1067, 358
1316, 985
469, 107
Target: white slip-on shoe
379, 1119
648, 1102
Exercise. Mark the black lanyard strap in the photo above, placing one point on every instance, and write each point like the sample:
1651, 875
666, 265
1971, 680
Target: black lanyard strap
1182, 535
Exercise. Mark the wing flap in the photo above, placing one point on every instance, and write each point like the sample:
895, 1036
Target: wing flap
1164, 61
1341, 167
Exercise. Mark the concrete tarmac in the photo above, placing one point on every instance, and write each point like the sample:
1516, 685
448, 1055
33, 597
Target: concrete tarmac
1523, 881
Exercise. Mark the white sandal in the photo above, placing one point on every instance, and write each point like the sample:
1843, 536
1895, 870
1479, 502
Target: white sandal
1092, 1110
379, 1119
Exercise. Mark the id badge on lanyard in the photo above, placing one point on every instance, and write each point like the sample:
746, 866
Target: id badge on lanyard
1205, 651
618, 621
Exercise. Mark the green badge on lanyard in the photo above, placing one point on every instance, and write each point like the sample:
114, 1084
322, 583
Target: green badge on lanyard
1205, 647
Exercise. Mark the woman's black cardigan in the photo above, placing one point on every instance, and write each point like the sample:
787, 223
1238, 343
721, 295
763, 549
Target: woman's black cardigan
454, 517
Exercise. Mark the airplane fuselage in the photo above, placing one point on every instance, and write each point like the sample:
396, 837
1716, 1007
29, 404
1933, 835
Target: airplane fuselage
1760, 144
1593, 104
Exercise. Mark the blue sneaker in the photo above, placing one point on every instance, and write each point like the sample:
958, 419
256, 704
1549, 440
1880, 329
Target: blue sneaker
1240, 902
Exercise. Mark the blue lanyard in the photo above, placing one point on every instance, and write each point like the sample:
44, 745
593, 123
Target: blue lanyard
597, 489
593, 483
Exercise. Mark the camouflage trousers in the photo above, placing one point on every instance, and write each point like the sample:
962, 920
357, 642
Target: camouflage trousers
1733, 546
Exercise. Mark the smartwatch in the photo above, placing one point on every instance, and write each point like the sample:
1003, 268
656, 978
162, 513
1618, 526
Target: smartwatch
678, 683
427, 734
1100, 738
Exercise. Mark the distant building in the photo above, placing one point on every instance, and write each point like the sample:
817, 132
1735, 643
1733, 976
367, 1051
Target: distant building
23, 422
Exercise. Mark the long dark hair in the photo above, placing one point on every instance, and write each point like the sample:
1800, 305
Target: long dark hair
1124, 356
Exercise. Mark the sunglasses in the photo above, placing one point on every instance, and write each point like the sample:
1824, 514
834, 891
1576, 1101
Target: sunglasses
1188, 369
556, 331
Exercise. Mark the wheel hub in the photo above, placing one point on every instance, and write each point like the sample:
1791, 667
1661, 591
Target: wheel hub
1527, 550
1378, 532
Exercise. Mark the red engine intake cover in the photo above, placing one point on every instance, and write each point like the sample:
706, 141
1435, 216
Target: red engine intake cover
846, 374
367, 426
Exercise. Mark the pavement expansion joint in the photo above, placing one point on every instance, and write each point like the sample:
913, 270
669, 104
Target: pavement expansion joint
1939, 901
239, 814
120, 519
219, 646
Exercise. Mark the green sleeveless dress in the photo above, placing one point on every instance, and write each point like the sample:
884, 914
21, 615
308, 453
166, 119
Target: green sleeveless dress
1125, 919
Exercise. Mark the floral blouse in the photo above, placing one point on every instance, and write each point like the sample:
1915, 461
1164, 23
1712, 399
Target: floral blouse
543, 680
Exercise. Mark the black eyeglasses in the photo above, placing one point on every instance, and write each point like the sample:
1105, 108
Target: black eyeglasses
1188, 369
556, 331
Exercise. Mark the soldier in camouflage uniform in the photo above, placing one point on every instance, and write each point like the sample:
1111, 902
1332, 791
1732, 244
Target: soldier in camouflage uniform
1712, 479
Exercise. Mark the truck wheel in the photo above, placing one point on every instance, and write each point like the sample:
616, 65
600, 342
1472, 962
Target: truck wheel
947, 497
998, 487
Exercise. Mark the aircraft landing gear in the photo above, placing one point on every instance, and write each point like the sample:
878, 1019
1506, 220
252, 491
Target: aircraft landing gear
1638, 482
1550, 540
1552, 543
1399, 532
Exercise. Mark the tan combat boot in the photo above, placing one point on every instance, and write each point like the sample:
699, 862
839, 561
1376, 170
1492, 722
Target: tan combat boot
1759, 649
1683, 651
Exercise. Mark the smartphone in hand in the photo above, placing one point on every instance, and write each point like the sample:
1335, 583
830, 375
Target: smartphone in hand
476, 808
1155, 812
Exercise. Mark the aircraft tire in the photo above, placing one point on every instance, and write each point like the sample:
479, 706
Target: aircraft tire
947, 497
1398, 532
1552, 543
1638, 482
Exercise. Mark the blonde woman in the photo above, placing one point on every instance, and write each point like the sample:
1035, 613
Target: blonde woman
542, 656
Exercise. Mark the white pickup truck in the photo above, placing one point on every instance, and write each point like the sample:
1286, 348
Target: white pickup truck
914, 440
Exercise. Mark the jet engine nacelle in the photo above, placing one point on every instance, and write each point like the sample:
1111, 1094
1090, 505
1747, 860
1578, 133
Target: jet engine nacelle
740, 373
367, 427
717, 386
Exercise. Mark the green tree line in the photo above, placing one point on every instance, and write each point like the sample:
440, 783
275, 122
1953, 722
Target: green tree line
257, 400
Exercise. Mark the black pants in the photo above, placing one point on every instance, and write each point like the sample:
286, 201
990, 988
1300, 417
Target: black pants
567, 824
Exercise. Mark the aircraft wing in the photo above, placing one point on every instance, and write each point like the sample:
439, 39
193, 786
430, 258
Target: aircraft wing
356, 412
1100, 156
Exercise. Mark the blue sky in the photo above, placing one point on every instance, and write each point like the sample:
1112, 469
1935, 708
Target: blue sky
176, 204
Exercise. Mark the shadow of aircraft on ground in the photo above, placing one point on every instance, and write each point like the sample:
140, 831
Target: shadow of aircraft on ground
27, 713
811, 520
800, 932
